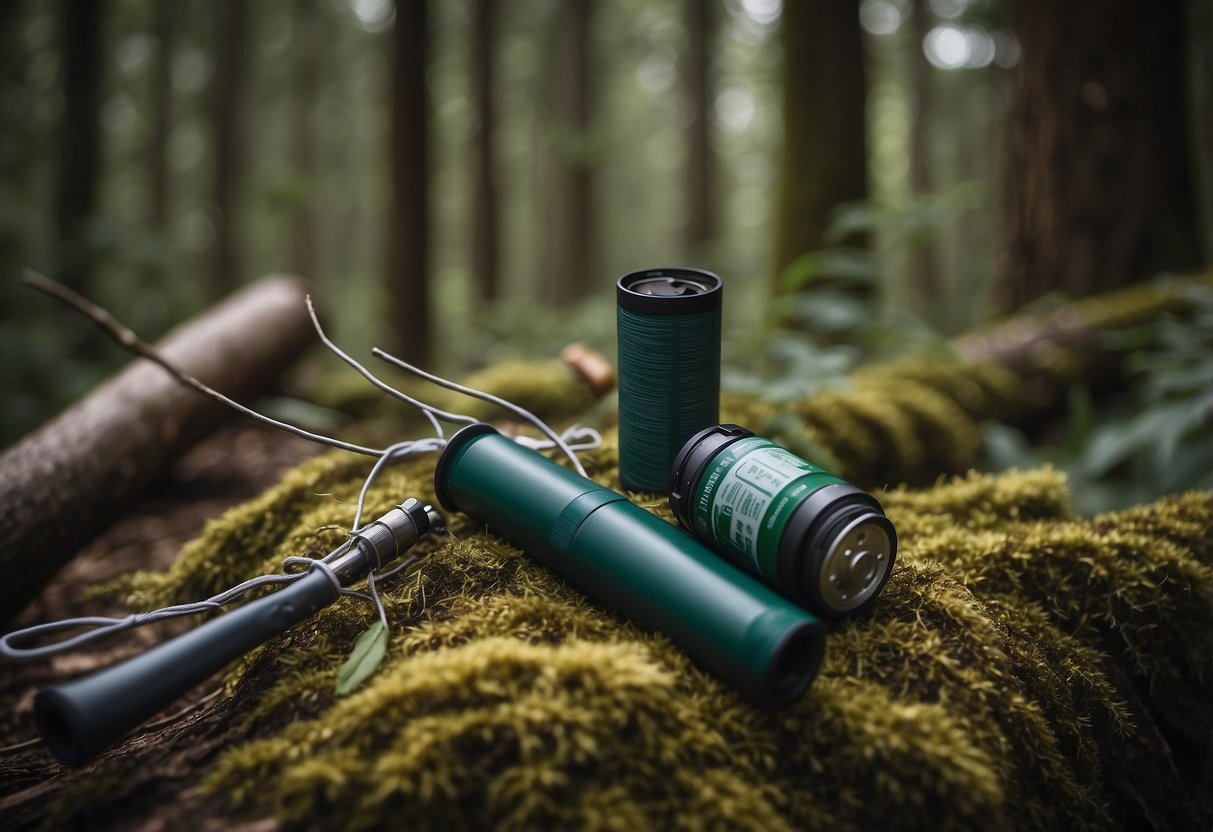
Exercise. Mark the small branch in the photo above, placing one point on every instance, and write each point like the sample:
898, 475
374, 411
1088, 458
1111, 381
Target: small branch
68, 480
118, 332
133, 343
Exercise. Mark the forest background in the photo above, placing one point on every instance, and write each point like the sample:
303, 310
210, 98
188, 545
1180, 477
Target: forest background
462, 181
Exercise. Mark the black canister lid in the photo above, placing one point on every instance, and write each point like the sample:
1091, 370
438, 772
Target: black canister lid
442, 467
669, 291
837, 551
691, 461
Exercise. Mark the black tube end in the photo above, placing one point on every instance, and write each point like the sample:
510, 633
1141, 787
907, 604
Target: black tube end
669, 291
453, 446
59, 725
794, 664
691, 460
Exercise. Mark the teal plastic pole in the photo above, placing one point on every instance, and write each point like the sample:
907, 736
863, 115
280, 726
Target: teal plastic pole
634, 563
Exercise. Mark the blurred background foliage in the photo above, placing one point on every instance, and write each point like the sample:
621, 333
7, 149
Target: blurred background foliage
854, 170
1153, 438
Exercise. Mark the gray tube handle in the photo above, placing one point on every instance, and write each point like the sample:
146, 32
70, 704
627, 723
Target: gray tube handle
78, 719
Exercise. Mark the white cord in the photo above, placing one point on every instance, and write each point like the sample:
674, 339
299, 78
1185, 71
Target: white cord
12, 644
574, 438
488, 397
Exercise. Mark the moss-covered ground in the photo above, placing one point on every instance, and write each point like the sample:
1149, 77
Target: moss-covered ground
1024, 669
977, 692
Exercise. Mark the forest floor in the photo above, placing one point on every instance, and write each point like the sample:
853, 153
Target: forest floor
155, 788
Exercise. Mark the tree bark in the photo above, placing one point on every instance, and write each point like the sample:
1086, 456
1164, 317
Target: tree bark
231, 61
1200, 105
408, 234
700, 170
924, 267
485, 234
824, 156
62, 484
309, 35
82, 53
164, 26
1098, 180
571, 271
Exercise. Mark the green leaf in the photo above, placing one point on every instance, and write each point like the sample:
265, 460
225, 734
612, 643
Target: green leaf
843, 264
1007, 447
1082, 418
855, 217
368, 652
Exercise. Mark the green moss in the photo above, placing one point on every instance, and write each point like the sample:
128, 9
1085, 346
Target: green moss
306, 514
548, 388
855, 444
977, 501
910, 420
1141, 302
1152, 594
973, 694
902, 422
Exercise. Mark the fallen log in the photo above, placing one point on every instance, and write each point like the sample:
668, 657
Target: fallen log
64, 483
1050, 351
908, 420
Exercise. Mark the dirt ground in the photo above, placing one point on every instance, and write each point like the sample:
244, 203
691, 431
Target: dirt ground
147, 782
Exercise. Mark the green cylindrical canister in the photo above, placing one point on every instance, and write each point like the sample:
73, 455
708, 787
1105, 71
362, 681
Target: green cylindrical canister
669, 367
635, 563
821, 541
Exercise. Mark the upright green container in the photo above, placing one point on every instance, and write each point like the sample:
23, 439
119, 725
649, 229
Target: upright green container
635, 563
669, 368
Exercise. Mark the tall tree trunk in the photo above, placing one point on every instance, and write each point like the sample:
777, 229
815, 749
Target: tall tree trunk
164, 28
308, 44
82, 53
232, 23
485, 234
17, 132
824, 157
1200, 76
572, 262
700, 170
408, 234
1097, 184
924, 267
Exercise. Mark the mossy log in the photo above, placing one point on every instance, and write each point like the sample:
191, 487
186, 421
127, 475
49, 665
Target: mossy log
62, 484
913, 419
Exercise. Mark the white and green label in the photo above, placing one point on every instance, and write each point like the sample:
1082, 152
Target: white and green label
747, 494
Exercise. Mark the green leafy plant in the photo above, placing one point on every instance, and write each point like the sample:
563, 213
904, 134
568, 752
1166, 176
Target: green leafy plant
830, 318
367, 655
1157, 439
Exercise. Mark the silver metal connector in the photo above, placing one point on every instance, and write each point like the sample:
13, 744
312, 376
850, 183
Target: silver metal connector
385, 539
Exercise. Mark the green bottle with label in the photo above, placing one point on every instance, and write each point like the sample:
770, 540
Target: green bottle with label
819, 540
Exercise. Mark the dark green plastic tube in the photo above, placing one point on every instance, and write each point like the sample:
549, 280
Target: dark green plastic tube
668, 323
635, 563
